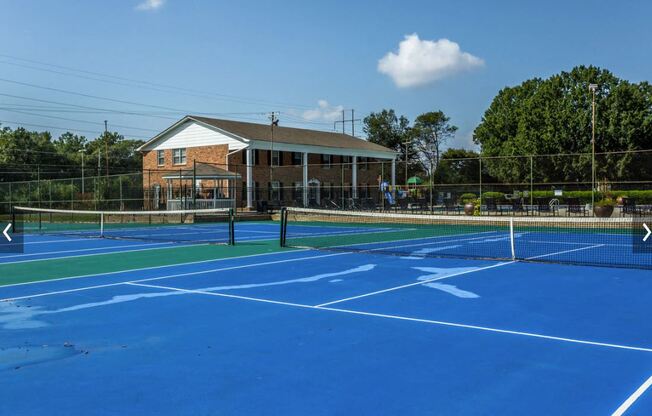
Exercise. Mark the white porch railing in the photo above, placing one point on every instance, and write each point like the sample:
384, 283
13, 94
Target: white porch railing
187, 203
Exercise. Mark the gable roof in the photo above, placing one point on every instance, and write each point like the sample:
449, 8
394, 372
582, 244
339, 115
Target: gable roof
289, 135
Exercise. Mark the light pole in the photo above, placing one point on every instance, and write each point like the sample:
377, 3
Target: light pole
82, 157
593, 88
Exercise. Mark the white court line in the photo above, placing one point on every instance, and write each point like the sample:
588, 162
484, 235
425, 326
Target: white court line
421, 282
170, 276
81, 276
564, 252
78, 251
223, 259
401, 318
48, 241
197, 272
573, 243
631, 399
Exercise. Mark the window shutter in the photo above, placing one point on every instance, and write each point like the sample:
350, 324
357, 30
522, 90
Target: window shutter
280, 191
256, 157
280, 158
269, 158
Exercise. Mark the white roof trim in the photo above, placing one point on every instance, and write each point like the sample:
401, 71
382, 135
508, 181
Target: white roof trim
304, 148
147, 146
266, 145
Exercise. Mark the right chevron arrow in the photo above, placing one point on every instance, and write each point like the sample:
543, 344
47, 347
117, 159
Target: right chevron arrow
648, 232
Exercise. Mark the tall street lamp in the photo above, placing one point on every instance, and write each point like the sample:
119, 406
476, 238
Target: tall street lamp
593, 88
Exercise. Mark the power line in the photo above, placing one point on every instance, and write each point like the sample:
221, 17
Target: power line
77, 120
63, 128
147, 84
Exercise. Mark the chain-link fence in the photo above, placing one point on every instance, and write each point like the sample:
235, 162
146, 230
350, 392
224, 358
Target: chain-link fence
337, 182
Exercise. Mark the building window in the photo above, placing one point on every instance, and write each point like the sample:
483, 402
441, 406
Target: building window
179, 156
276, 158
363, 190
326, 190
326, 161
297, 192
160, 157
274, 191
297, 158
346, 160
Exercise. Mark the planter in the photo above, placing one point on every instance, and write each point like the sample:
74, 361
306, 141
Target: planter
604, 211
469, 208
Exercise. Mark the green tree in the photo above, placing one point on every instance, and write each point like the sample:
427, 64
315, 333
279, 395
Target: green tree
458, 166
430, 132
387, 129
553, 117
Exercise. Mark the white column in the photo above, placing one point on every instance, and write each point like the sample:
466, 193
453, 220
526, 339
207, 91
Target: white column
394, 177
305, 179
250, 179
354, 177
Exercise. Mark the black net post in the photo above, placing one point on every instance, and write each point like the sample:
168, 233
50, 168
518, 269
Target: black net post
284, 215
231, 227
194, 183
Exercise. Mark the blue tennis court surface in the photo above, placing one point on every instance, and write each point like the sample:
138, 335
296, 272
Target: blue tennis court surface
327, 332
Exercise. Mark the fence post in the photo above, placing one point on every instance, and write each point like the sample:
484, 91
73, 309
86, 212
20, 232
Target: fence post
122, 207
194, 183
480, 182
531, 180
38, 184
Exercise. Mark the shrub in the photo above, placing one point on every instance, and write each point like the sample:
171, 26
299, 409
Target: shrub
467, 197
605, 202
498, 196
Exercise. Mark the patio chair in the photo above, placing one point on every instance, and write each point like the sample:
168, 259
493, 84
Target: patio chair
492, 207
543, 206
575, 207
518, 207
630, 208
450, 206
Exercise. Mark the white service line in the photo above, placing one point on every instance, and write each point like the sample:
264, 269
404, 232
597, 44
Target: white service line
421, 282
631, 399
81, 276
78, 251
170, 276
47, 241
401, 318
564, 252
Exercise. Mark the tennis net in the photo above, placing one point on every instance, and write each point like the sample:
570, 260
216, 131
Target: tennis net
215, 226
583, 240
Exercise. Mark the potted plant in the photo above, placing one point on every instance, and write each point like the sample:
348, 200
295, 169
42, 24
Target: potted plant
469, 201
604, 207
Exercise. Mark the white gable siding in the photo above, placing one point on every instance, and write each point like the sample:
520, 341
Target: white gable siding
191, 134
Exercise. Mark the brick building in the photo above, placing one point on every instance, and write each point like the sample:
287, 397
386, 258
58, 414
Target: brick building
238, 164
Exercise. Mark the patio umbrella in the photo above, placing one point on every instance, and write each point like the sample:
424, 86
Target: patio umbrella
415, 180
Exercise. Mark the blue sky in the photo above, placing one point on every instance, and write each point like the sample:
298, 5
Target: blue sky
289, 56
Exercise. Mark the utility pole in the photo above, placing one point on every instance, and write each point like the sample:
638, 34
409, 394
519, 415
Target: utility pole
106, 147
344, 121
82, 172
407, 143
593, 88
271, 154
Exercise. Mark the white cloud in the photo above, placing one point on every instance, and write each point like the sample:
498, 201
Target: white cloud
150, 5
324, 111
420, 62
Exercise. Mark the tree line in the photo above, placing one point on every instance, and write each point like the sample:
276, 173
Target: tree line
26, 155
549, 119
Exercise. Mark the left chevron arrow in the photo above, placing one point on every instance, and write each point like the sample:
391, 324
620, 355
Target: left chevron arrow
6, 232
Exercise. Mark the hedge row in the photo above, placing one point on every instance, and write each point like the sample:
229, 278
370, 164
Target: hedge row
641, 197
